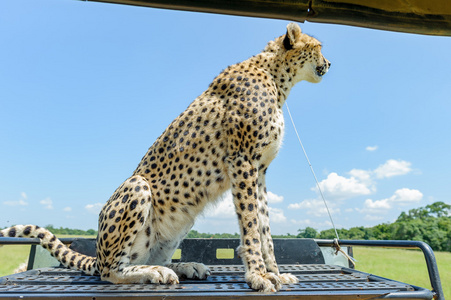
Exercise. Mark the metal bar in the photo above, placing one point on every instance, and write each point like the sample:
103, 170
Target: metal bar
423, 294
420, 292
428, 17
429, 256
31, 257
295, 10
424, 17
29, 241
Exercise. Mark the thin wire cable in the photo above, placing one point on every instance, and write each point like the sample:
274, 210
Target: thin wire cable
311, 169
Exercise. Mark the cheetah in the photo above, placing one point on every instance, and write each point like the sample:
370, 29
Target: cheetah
225, 139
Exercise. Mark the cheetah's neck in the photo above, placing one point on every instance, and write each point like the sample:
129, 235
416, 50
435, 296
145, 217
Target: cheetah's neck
281, 74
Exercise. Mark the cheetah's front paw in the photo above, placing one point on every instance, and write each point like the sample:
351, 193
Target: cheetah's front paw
268, 282
143, 274
191, 270
162, 275
287, 278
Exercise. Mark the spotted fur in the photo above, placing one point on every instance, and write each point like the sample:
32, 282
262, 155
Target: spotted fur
225, 139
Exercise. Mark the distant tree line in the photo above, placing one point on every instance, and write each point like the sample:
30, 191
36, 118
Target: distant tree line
69, 231
193, 234
430, 224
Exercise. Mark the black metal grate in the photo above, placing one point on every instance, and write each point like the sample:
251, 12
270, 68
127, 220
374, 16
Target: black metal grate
51, 276
324, 281
300, 257
206, 287
310, 268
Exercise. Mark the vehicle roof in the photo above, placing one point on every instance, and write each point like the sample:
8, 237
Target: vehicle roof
432, 17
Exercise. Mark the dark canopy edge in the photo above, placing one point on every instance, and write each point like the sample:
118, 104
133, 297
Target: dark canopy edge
411, 16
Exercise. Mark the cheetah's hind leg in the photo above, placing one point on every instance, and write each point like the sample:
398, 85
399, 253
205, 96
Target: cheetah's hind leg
124, 223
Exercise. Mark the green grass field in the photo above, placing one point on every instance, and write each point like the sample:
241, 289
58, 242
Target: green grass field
11, 256
407, 266
402, 265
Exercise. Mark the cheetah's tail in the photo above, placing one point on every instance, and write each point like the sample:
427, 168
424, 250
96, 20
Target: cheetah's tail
67, 257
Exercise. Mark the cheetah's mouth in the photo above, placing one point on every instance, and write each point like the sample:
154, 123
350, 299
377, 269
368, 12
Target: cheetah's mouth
321, 70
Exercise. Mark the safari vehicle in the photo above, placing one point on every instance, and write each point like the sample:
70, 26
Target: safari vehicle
322, 266
323, 273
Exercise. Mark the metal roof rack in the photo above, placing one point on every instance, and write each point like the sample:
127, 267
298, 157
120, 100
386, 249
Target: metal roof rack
304, 258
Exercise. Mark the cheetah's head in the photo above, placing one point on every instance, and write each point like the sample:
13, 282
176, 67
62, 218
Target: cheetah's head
301, 53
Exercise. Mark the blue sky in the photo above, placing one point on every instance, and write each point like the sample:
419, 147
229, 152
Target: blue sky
85, 89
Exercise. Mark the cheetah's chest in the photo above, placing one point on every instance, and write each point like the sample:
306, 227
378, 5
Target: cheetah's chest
273, 139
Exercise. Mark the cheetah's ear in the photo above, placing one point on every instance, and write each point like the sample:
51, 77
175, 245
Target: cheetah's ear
292, 36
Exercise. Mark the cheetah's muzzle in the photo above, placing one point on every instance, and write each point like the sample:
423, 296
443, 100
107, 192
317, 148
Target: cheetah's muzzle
322, 70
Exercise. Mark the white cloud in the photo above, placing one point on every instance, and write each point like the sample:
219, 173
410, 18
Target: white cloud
377, 205
307, 222
306, 204
276, 215
67, 208
373, 218
400, 197
360, 182
221, 216
223, 209
273, 198
371, 148
94, 208
339, 188
363, 176
390, 168
315, 207
393, 168
47, 202
304, 222
406, 195
21, 202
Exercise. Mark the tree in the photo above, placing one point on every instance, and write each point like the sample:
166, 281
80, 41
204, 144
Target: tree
382, 232
439, 209
307, 233
328, 234
91, 232
434, 210
358, 233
